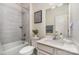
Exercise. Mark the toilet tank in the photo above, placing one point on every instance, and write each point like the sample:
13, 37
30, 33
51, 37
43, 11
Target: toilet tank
34, 41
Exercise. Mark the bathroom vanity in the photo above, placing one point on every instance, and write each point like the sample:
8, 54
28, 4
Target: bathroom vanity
47, 46
57, 21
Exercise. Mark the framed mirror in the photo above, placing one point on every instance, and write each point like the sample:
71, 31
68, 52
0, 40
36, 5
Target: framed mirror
58, 17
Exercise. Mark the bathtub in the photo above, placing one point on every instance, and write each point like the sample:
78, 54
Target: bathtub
13, 48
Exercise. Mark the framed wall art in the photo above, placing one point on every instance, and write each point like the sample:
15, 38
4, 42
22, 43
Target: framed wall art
38, 16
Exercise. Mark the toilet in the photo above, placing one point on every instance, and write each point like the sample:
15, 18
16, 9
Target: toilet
28, 50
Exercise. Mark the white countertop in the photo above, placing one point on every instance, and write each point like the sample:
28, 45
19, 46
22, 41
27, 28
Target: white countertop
70, 47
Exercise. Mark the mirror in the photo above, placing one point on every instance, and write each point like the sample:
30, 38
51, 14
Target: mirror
57, 19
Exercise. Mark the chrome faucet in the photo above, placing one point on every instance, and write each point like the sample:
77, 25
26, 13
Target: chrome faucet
55, 36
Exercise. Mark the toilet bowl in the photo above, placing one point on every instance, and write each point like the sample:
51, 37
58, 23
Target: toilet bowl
27, 50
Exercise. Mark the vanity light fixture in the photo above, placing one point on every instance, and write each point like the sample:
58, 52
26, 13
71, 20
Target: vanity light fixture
54, 5
60, 4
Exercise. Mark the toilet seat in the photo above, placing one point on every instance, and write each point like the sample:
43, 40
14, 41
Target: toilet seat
27, 50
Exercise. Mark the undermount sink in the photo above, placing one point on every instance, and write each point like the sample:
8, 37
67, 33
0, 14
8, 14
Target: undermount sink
67, 41
60, 41
57, 42
64, 41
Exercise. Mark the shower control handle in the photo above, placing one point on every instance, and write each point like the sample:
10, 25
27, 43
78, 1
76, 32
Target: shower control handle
21, 27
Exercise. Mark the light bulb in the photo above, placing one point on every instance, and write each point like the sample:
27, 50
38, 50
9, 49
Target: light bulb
53, 7
60, 4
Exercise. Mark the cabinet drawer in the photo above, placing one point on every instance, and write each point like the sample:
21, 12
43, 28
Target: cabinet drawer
45, 48
62, 52
42, 52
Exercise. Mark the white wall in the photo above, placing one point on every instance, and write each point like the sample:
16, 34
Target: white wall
40, 26
30, 23
74, 16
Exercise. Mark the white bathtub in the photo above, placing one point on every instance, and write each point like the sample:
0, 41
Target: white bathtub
13, 48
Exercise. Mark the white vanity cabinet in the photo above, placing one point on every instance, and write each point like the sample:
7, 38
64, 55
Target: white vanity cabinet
62, 52
44, 49
48, 50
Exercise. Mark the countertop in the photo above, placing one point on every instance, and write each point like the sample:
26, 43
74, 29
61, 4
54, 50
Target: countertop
70, 47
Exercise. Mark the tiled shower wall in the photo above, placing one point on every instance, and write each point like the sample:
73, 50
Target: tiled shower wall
10, 23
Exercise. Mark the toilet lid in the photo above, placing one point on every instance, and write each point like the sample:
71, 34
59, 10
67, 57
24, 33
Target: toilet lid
26, 49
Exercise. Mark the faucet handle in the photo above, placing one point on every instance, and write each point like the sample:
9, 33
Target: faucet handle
61, 36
